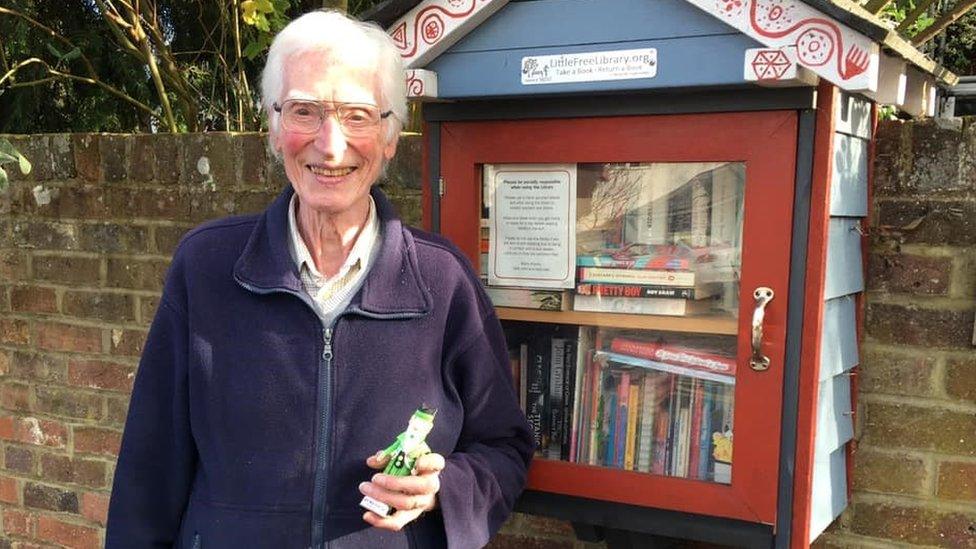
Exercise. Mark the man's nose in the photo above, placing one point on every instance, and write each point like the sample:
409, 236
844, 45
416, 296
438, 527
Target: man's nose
330, 139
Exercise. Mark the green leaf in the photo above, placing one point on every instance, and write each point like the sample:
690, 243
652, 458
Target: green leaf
73, 54
3, 180
252, 50
54, 50
25, 165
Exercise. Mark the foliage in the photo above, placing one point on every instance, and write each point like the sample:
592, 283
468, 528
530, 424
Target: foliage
8, 155
146, 65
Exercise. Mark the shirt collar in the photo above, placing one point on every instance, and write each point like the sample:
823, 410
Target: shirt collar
359, 253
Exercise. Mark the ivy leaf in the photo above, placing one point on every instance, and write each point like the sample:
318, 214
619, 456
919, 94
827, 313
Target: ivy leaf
24, 164
3, 180
73, 54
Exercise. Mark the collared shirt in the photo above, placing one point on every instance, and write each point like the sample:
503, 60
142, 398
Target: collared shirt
332, 294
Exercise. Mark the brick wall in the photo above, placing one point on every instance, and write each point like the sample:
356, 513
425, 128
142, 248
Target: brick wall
85, 239
915, 463
84, 242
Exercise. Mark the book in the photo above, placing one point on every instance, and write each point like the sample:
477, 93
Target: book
645, 256
697, 396
640, 305
581, 390
700, 291
656, 277
529, 298
633, 406
628, 360
569, 390
537, 390
557, 370
675, 354
620, 426
662, 425
523, 372
649, 403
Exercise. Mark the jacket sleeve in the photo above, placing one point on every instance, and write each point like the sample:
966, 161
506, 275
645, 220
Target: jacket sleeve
157, 461
487, 470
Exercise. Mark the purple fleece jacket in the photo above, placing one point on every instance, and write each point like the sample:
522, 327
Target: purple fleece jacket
239, 380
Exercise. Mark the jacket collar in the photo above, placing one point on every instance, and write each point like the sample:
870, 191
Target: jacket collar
393, 286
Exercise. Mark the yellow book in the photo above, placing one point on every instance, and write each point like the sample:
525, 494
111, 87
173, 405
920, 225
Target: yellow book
633, 405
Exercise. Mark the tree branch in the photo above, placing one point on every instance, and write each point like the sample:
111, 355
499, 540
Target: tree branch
941, 23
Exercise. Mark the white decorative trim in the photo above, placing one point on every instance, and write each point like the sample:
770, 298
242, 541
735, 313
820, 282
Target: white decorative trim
892, 81
774, 67
421, 84
919, 94
825, 46
435, 25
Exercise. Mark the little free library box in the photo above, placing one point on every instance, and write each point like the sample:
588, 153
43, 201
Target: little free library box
665, 200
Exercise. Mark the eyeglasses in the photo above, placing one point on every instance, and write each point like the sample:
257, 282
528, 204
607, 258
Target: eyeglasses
355, 119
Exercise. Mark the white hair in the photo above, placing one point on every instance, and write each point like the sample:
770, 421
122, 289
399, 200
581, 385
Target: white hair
345, 40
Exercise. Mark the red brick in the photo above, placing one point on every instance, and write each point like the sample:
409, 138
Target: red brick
85, 472
65, 533
957, 481
67, 269
117, 408
30, 430
904, 426
9, 490
70, 403
101, 375
898, 373
14, 332
167, 237
18, 523
254, 157
43, 367
915, 525
960, 381
139, 274
5, 360
147, 308
937, 222
142, 158
95, 440
155, 204
13, 265
15, 396
45, 235
913, 325
51, 498
128, 342
33, 299
86, 156
113, 238
55, 336
94, 507
888, 473
108, 307
17, 459
902, 273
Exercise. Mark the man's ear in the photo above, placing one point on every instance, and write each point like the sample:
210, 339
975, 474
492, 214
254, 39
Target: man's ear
389, 150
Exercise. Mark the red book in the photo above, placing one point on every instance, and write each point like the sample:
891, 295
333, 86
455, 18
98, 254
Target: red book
674, 354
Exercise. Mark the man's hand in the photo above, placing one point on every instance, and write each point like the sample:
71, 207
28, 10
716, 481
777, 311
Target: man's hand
410, 496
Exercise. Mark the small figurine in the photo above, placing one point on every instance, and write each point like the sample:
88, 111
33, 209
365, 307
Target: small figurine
403, 453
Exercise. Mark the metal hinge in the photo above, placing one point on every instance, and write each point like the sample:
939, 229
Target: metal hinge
440, 186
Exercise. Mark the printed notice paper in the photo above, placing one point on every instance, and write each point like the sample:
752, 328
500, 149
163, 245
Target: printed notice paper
595, 66
532, 228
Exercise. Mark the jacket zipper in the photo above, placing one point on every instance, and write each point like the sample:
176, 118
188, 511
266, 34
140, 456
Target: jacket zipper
319, 507
325, 391
197, 543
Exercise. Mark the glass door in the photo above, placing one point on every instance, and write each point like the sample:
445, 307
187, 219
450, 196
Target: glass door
622, 255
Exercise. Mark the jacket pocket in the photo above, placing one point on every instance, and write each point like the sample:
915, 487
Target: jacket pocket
197, 542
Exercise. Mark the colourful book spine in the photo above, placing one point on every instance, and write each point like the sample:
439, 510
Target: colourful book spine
639, 290
696, 424
705, 440
636, 276
609, 443
662, 426
648, 407
633, 406
674, 354
620, 433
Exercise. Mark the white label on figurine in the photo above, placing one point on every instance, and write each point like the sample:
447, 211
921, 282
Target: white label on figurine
375, 506
532, 225
589, 67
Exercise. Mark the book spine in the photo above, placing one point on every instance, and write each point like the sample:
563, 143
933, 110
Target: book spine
523, 374
681, 356
630, 305
633, 406
568, 401
646, 429
622, 359
620, 433
695, 431
635, 290
537, 390
636, 276
555, 406
662, 422
705, 440
525, 298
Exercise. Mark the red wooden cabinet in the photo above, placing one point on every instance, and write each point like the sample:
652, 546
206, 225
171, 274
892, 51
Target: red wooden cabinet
763, 147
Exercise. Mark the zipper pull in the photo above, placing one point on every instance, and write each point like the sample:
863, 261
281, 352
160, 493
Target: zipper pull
327, 350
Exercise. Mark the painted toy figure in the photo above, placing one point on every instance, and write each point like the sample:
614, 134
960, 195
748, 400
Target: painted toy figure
403, 453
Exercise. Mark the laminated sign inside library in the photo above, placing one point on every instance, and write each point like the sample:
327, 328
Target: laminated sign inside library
666, 201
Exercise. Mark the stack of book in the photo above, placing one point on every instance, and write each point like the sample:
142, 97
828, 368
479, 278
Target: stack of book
647, 279
654, 408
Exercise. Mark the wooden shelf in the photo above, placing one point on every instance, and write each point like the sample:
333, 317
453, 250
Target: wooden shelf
711, 324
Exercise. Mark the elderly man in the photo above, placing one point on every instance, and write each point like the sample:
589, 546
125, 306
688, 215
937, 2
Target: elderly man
289, 347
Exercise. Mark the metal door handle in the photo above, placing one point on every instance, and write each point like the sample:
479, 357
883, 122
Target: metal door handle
759, 361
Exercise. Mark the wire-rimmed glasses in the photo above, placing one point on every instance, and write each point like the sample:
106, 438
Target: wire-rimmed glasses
305, 116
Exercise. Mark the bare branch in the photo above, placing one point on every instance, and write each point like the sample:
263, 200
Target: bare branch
53, 34
875, 6
942, 22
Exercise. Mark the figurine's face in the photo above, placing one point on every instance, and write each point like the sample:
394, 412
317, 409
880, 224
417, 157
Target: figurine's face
417, 430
